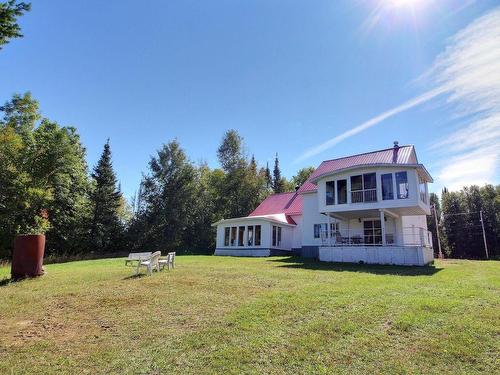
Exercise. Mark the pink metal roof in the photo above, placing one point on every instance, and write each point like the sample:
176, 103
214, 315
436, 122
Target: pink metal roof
284, 203
393, 155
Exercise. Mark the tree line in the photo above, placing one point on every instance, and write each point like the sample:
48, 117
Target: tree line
45, 186
459, 222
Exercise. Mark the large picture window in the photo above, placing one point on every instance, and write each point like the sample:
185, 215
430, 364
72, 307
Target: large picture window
276, 236
257, 235
402, 185
364, 188
342, 191
372, 232
330, 193
321, 228
318, 228
250, 235
422, 188
241, 234
227, 230
387, 188
356, 183
234, 232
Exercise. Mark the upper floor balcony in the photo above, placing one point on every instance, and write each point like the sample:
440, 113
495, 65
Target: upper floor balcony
402, 189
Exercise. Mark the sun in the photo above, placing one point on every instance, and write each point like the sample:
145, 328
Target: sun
403, 3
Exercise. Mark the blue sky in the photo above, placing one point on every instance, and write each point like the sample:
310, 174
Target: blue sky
291, 76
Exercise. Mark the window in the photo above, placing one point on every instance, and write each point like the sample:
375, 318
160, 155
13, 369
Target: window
330, 193
342, 191
372, 232
226, 236
402, 185
257, 235
387, 188
241, 233
364, 188
318, 228
334, 227
356, 183
321, 228
422, 187
233, 236
250, 236
276, 236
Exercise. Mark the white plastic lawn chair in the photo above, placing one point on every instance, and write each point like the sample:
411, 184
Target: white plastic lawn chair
168, 261
149, 262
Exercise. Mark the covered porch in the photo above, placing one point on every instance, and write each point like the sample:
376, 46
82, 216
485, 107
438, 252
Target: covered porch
378, 236
379, 227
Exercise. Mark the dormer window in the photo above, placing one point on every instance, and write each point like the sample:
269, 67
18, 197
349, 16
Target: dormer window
364, 188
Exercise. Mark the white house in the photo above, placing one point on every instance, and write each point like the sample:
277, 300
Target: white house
367, 208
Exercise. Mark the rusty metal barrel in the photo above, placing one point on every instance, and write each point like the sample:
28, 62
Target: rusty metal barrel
27, 259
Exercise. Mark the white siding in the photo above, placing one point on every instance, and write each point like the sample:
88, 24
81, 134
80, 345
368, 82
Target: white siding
311, 216
297, 232
407, 256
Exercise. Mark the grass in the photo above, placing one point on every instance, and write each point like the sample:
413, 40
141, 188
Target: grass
241, 315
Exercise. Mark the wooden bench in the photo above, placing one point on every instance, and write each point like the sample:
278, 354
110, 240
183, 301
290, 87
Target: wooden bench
135, 257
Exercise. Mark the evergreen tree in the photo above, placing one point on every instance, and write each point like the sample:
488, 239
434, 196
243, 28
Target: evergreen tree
268, 177
235, 193
278, 184
169, 200
106, 202
9, 12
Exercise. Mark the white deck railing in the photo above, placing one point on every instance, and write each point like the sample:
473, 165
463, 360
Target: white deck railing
367, 195
410, 236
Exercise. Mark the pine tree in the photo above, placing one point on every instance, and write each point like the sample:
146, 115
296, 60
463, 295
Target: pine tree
105, 201
277, 180
9, 13
269, 178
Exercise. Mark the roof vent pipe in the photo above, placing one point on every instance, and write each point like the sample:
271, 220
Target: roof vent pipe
396, 144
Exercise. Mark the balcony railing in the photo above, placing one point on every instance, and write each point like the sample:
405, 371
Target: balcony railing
410, 236
360, 196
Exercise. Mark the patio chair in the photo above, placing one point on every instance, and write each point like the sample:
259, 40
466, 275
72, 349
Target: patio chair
149, 262
168, 261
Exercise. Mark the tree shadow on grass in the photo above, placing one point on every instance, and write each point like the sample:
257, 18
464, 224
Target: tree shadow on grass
313, 264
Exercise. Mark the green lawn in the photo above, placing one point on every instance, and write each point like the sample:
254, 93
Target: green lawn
242, 315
